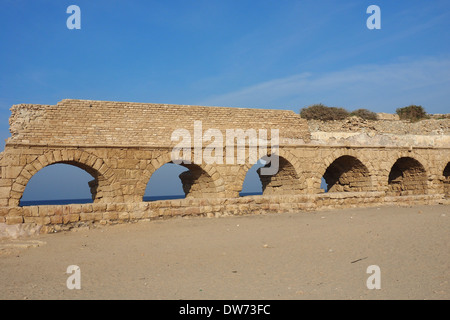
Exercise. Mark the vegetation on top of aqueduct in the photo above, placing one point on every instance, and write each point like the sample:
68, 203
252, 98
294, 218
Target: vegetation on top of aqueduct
365, 114
324, 113
321, 112
413, 113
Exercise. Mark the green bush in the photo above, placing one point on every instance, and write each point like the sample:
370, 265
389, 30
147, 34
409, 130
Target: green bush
324, 113
365, 114
412, 113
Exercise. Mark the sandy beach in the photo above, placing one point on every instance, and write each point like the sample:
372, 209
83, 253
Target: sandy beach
314, 255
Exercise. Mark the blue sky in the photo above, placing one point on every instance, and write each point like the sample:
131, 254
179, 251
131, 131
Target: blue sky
247, 53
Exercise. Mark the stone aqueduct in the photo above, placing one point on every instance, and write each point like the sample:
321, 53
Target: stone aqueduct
122, 144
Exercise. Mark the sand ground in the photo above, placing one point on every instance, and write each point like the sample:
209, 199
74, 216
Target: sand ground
315, 255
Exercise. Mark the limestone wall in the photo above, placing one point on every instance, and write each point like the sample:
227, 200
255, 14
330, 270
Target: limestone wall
122, 144
399, 127
23, 221
122, 174
122, 124
356, 131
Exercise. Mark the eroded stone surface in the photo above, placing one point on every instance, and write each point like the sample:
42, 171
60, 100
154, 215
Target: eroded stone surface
122, 144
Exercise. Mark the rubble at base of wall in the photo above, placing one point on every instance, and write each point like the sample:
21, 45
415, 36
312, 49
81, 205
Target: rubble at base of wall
16, 222
16, 231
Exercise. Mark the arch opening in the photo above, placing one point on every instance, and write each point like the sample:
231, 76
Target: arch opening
446, 174
407, 177
285, 181
179, 181
346, 174
61, 183
252, 183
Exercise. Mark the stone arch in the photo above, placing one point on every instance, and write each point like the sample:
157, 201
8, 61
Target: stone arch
287, 180
446, 174
103, 188
408, 154
200, 181
346, 170
347, 174
407, 177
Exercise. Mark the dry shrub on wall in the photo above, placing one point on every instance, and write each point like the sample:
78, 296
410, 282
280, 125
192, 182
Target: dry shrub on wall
365, 114
324, 113
413, 113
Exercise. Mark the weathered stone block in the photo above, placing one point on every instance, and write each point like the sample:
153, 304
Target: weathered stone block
12, 172
110, 216
123, 216
86, 207
73, 217
4, 192
56, 219
13, 219
15, 212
